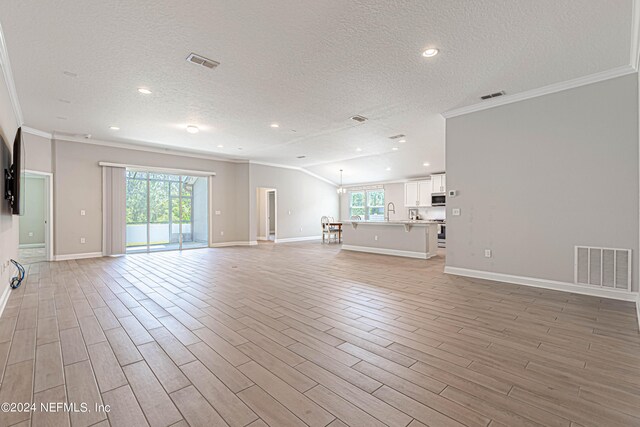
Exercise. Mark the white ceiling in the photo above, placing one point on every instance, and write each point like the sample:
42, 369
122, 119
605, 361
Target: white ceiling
307, 65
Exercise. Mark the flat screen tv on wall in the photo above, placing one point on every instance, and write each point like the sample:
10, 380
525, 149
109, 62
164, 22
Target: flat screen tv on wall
14, 177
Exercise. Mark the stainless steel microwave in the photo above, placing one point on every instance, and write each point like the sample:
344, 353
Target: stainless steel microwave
438, 199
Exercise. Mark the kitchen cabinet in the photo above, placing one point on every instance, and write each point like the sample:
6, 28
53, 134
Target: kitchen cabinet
417, 194
438, 183
411, 194
424, 194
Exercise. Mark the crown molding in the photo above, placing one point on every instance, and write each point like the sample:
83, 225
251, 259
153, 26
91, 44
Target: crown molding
140, 147
635, 35
37, 132
5, 64
297, 168
545, 90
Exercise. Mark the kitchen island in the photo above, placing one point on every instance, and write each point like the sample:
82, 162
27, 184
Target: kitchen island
412, 239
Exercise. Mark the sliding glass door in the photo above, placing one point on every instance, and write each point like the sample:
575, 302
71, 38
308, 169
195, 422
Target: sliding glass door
166, 211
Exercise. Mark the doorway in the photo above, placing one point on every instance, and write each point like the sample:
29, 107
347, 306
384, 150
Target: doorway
166, 211
267, 201
35, 231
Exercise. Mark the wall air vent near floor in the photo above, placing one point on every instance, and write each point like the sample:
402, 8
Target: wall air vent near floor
603, 267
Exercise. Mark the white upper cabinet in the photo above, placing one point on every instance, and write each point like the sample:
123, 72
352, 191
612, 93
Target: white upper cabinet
438, 183
424, 194
417, 194
411, 195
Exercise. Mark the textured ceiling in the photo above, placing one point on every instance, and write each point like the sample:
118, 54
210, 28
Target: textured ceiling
307, 65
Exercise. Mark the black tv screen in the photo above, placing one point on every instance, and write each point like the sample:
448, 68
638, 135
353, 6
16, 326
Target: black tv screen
18, 169
14, 177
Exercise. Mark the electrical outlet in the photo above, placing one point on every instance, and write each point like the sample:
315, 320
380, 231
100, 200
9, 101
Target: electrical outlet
222, 233
31, 234
83, 212
487, 253
83, 240
455, 211
217, 212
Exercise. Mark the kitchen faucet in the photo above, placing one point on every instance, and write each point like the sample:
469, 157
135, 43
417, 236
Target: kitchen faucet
391, 208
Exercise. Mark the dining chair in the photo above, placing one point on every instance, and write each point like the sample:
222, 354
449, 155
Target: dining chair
327, 229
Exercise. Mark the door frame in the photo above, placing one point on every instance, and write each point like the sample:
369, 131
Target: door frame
48, 197
263, 213
275, 214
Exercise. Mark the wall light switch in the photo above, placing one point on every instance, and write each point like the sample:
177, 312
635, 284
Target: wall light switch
31, 234
217, 212
83, 212
289, 212
455, 211
83, 240
375, 238
222, 233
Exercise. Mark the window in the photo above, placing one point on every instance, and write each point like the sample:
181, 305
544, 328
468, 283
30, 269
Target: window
375, 205
369, 205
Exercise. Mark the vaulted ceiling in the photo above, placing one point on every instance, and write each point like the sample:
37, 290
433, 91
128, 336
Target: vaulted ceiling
306, 65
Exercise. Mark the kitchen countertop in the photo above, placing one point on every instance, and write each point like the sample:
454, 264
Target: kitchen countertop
406, 238
396, 222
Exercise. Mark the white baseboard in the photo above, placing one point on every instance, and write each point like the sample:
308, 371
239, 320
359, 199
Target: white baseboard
31, 245
239, 243
4, 298
546, 284
297, 239
382, 251
78, 256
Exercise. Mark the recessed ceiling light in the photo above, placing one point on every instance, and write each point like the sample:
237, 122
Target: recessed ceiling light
192, 129
358, 149
402, 141
114, 128
426, 164
395, 148
220, 146
431, 52
388, 169
144, 91
275, 125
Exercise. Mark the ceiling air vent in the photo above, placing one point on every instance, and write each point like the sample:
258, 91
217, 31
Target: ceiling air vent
492, 95
398, 136
359, 119
201, 60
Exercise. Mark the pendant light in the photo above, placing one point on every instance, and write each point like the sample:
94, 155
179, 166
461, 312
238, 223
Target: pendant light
341, 190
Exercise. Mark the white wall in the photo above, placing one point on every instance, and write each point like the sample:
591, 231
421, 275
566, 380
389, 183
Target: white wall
539, 176
8, 223
37, 152
301, 199
78, 185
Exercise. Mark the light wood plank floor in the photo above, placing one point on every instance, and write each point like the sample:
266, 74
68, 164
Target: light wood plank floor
303, 334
